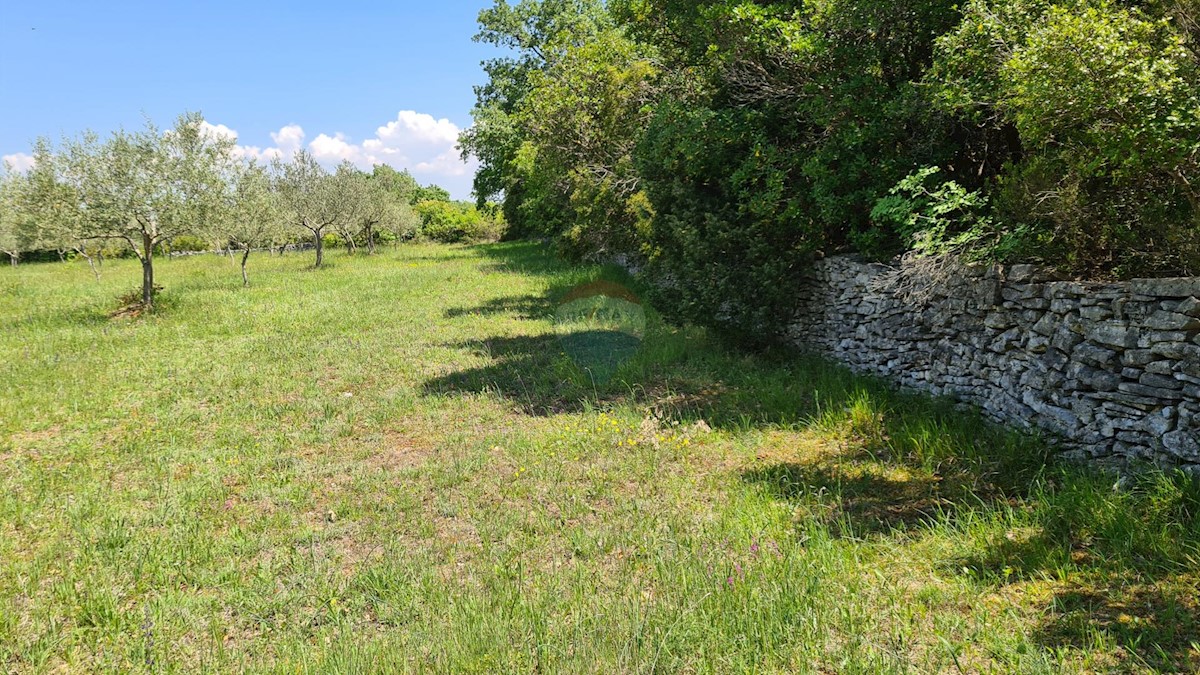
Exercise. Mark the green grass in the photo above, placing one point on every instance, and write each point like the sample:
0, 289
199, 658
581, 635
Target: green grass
392, 464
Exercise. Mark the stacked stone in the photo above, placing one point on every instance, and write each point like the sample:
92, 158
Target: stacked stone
1113, 369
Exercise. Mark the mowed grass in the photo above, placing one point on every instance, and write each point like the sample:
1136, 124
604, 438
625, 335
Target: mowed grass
392, 465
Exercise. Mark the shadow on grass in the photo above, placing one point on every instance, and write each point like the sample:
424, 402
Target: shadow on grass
1122, 557
521, 257
1156, 622
531, 372
465, 252
520, 306
868, 503
105, 311
1122, 563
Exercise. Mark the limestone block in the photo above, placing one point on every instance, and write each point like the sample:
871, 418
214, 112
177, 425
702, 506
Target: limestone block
1112, 333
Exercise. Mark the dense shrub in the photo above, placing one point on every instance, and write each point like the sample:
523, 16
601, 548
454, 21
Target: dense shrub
798, 123
730, 141
457, 222
726, 233
187, 244
1105, 98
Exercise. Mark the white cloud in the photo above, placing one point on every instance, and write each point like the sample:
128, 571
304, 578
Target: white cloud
449, 163
288, 139
239, 151
421, 143
411, 126
414, 141
18, 161
336, 149
217, 131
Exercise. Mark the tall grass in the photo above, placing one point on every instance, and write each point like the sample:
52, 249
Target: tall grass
394, 465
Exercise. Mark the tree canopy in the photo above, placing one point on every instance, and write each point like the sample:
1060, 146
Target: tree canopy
147, 192
140, 188
730, 142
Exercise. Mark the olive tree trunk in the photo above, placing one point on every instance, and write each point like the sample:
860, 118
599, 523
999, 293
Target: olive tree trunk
148, 271
245, 257
91, 262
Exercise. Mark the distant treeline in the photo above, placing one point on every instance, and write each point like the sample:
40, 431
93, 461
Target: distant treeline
155, 191
728, 142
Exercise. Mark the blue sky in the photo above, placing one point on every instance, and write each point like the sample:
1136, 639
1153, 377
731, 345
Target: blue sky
387, 81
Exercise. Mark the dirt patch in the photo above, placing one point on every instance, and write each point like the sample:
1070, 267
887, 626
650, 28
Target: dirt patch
455, 530
348, 553
397, 451
28, 439
460, 545
31, 445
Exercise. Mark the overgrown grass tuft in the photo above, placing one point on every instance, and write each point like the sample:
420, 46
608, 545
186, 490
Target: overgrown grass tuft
397, 464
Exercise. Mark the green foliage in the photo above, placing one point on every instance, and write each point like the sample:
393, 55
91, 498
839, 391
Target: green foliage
185, 189
725, 141
930, 218
12, 216
187, 243
400, 184
519, 158
456, 222
309, 198
256, 215
1105, 97
583, 116
143, 188
726, 232
426, 193
801, 118
728, 141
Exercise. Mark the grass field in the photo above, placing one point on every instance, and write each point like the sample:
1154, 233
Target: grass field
393, 464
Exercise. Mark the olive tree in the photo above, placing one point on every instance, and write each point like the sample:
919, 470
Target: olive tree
403, 222
349, 187
11, 217
141, 188
375, 205
255, 217
54, 210
400, 184
308, 197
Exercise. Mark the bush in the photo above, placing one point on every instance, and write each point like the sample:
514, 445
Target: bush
728, 236
730, 142
187, 243
1106, 101
456, 222
930, 218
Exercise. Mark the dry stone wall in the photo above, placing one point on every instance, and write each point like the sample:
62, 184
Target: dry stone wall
1112, 369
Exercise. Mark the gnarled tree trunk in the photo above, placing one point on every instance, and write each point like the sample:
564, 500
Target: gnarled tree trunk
148, 271
245, 257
